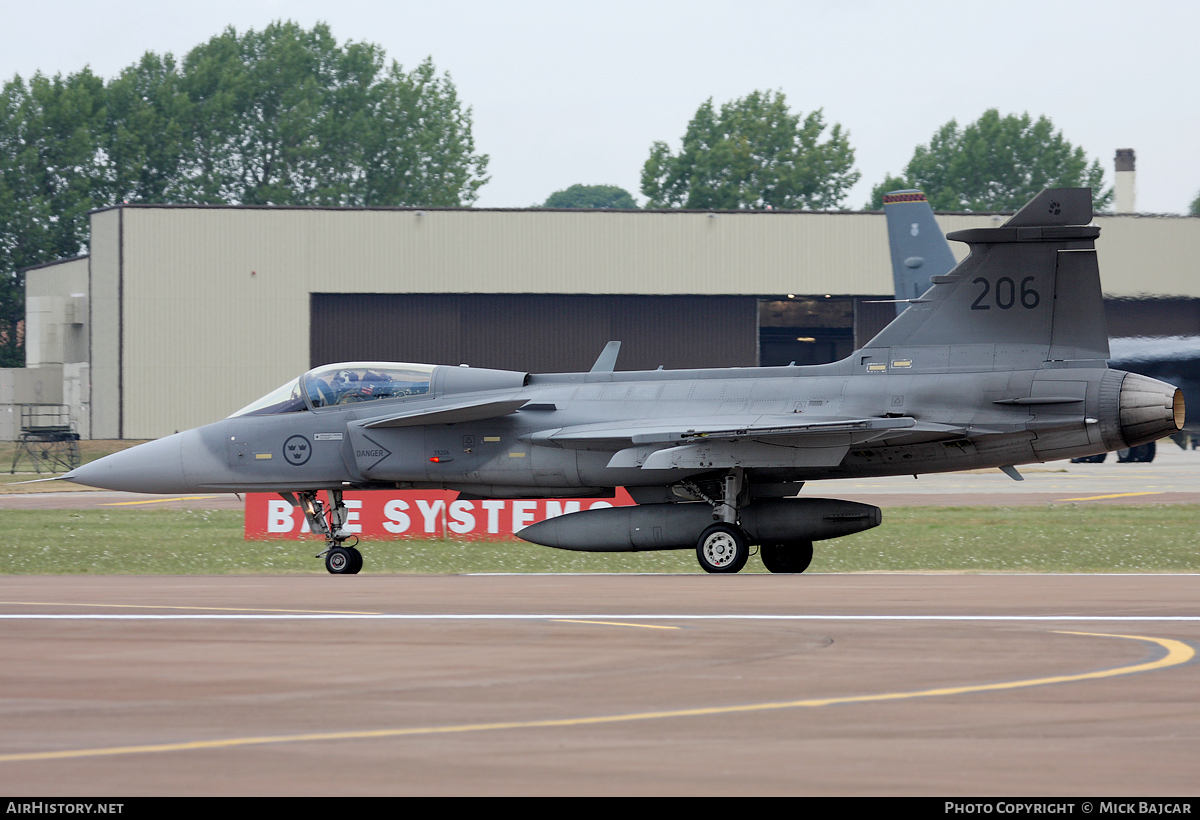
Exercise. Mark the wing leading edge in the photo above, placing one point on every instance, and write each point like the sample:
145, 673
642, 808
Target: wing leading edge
767, 441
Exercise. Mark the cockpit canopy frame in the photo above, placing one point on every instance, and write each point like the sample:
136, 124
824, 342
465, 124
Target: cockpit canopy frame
345, 383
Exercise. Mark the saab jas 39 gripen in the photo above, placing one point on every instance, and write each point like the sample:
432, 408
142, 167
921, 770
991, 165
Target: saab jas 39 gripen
1000, 363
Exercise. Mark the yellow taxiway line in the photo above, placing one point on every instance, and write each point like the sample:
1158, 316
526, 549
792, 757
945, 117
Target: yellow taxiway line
612, 623
158, 500
1177, 653
1117, 495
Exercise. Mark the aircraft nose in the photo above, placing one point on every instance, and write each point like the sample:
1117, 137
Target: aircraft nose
153, 467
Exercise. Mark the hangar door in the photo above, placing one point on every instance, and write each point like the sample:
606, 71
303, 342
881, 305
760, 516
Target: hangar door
538, 333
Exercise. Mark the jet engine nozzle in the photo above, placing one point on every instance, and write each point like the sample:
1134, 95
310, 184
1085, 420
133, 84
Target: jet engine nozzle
1149, 409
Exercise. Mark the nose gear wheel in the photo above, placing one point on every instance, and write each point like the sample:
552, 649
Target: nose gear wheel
330, 522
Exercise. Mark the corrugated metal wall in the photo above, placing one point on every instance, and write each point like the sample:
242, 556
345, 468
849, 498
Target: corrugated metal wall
197, 311
539, 333
105, 315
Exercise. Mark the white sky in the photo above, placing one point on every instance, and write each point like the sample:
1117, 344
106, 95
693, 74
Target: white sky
568, 92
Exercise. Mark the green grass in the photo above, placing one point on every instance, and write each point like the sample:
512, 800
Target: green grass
1074, 538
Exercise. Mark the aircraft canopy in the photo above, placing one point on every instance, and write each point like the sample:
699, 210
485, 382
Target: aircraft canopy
344, 384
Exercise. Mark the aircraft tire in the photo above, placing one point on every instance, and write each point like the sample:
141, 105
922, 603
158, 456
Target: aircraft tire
722, 548
356, 559
794, 556
340, 561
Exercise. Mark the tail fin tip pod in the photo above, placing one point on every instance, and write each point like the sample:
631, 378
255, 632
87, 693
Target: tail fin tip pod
1029, 292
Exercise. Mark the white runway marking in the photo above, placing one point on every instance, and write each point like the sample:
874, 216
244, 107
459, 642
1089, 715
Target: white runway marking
591, 617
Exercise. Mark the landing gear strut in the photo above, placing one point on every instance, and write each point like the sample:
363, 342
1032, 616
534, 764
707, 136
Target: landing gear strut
330, 522
724, 547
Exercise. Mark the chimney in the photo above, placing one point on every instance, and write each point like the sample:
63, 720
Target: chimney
1124, 191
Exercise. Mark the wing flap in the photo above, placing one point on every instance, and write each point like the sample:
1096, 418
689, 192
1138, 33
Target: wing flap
724, 453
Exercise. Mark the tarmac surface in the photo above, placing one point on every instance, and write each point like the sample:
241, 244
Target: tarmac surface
566, 685
850, 684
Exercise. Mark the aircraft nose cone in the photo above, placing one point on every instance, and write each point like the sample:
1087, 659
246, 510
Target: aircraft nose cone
154, 467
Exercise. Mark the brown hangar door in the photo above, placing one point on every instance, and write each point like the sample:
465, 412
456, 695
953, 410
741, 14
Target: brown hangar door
537, 333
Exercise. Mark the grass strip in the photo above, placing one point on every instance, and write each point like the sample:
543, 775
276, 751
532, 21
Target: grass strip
1054, 538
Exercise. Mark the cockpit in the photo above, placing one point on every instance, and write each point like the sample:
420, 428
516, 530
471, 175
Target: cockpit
340, 384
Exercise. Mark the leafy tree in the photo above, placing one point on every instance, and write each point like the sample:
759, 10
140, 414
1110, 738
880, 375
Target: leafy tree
890, 183
144, 132
281, 116
753, 153
591, 196
1195, 209
996, 164
286, 116
417, 144
51, 175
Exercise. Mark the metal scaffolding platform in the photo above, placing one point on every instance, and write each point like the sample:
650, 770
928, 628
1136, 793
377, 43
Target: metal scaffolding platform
48, 438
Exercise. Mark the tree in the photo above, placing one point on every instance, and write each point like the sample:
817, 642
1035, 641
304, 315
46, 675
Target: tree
591, 196
996, 164
1195, 209
287, 116
284, 116
51, 175
144, 134
753, 153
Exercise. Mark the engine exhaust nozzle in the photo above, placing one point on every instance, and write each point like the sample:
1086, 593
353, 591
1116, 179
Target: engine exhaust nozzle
1149, 409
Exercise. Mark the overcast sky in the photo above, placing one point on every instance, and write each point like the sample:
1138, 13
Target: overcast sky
568, 92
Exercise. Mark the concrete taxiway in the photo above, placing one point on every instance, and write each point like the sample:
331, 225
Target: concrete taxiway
755, 684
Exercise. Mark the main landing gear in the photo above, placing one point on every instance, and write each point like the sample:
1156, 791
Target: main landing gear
722, 548
725, 546
794, 556
340, 558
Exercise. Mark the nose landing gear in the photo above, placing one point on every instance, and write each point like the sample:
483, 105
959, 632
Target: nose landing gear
343, 560
340, 558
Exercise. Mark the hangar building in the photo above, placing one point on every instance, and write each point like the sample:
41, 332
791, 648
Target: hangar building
181, 315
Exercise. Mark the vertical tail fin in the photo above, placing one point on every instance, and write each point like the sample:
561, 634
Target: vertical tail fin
1029, 290
919, 250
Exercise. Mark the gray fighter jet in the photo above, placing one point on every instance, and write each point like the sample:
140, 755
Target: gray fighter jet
1001, 362
919, 251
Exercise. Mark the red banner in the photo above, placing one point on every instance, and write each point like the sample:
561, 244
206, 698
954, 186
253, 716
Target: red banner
395, 514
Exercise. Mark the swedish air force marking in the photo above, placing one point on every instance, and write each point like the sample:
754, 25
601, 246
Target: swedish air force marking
297, 450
